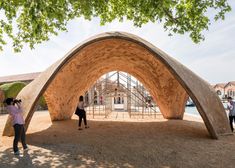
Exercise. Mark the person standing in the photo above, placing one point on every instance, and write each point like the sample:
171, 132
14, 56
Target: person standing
16, 113
231, 109
81, 113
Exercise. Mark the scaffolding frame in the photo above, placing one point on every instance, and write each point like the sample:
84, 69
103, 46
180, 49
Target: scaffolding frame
120, 86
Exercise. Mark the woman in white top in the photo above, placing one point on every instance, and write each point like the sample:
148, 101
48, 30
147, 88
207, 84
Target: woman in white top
81, 113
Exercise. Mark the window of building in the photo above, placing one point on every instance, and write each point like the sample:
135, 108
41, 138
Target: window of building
218, 92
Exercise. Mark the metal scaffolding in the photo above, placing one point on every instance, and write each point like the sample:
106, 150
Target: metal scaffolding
119, 95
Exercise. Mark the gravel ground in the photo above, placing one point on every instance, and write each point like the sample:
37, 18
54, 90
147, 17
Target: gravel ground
144, 144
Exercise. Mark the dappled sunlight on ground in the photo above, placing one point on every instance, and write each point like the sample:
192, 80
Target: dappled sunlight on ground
168, 144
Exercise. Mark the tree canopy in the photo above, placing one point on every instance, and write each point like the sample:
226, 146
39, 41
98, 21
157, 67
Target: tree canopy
12, 89
34, 21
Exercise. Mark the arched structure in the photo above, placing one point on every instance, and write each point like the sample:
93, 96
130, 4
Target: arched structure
168, 81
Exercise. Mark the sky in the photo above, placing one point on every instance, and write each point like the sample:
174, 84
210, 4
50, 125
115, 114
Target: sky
212, 59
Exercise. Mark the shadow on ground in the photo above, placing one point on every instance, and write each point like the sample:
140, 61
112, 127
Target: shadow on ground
167, 144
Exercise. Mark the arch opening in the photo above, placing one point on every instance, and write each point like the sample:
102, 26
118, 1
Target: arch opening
95, 60
168, 81
118, 95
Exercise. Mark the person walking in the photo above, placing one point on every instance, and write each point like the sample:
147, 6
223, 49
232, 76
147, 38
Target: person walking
16, 113
231, 109
81, 113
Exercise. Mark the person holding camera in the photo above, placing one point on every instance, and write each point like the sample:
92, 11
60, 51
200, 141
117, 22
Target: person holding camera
16, 113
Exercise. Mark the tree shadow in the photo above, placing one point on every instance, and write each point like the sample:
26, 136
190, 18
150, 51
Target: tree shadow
110, 144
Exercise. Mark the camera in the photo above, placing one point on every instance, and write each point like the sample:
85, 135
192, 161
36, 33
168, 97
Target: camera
16, 101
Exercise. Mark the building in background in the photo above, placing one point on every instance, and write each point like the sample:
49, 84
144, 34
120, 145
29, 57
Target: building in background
27, 78
229, 89
219, 88
223, 90
11, 85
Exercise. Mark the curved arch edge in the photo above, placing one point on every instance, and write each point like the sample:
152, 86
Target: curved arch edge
213, 113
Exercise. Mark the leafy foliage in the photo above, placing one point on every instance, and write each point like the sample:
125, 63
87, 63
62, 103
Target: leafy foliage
33, 21
12, 89
2, 97
42, 105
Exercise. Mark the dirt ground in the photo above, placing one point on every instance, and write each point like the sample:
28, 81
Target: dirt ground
159, 143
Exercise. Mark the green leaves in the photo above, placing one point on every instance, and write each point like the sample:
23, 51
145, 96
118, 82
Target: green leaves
36, 20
